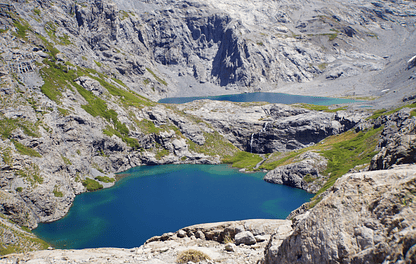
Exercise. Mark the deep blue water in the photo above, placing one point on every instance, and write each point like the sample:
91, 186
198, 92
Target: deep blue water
154, 200
262, 97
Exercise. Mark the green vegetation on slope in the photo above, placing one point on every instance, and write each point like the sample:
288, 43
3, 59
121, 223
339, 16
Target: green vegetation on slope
51, 29
344, 152
105, 179
22, 27
91, 185
323, 108
22, 149
58, 77
56, 192
157, 77
24, 239
215, 144
243, 159
385, 112
347, 154
8, 125
279, 159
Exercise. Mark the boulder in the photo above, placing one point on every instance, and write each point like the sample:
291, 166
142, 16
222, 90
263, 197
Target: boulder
245, 237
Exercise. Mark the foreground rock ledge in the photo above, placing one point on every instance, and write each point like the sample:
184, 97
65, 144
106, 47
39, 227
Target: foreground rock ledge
366, 217
209, 238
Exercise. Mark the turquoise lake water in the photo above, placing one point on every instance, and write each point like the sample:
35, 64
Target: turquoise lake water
154, 200
263, 97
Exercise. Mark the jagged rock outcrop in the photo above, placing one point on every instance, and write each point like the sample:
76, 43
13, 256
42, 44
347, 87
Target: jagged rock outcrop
397, 145
272, 127
366, 217
303, 174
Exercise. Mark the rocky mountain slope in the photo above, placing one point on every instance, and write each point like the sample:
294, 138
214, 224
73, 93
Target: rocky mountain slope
76, 77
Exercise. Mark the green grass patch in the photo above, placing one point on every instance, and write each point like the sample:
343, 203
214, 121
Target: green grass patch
385, 112
22, 27
347, 154
243, 159
323, 108
19, 189
119, 82
7, 155
3, 30
64, 112
7, 126
52, 50
215, 144
128, 98
56, 79
148, 127
314, 202
105, 179
36, 11
123, 14
279, 159
322, 66
31, 174
157, 77
161, 153
66, 160
22, 149
98, 63
24, 240
132, 142
64, 40
343, 152
308, 178
91, 185
56, 192
378, 113
51, 29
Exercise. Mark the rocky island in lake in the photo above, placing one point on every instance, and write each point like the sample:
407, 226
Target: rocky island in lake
79, 85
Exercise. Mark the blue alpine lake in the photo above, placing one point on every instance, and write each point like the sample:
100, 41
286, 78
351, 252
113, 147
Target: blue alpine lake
263, 97
152, 200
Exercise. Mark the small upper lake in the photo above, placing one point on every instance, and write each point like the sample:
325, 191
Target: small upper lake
263, 97
154, 200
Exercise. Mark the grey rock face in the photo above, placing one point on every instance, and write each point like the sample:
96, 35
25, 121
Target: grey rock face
365, 217
272, 127
245, 237
397, 145
310, 166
